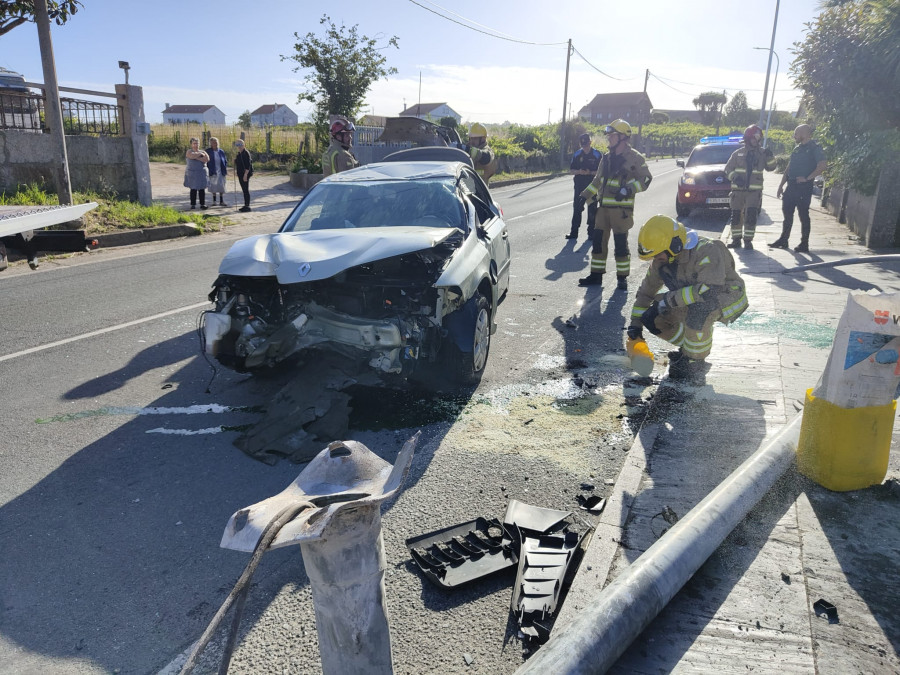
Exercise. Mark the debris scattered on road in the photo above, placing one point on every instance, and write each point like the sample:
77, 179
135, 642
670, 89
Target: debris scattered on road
785, 577
469, 659
547, 545
824, 608
593, 504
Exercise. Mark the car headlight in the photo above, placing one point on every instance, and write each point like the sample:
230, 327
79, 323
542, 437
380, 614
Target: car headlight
688, 180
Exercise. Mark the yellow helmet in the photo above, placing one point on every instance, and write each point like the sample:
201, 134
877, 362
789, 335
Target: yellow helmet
659, 234
477, 129
620, 127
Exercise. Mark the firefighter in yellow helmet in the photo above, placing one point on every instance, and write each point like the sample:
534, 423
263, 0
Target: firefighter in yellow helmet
745, 171
623, 173
699, 286
483, 157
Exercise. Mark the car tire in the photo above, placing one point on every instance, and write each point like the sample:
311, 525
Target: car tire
682, 210
467, 367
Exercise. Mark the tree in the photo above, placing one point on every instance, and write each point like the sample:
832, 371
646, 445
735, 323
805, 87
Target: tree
659, 117
244, 119
16, 12
449, 122
848, 67
344, 65
709, 103
738, 113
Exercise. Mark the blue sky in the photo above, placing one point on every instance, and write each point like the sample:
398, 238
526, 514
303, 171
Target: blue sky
226, 53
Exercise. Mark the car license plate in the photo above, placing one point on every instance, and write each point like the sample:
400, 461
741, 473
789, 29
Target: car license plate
717, 200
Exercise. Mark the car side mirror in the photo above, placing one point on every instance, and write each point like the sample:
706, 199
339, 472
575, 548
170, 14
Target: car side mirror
679, 162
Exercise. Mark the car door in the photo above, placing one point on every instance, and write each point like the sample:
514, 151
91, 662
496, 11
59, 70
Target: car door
492, 229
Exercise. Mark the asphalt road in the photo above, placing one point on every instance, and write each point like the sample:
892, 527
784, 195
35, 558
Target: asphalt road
119, 472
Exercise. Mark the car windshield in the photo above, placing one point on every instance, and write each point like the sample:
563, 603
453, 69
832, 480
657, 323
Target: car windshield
711, 154
389, 203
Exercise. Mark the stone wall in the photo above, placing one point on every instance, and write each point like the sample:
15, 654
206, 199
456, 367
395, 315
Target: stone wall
876, 218
102, 164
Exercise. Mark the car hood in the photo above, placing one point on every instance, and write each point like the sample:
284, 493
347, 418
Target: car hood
294, 257
705, 168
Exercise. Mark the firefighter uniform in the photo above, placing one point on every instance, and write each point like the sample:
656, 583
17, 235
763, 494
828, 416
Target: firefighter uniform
337, 158
618, 179
702, 287
745, 171
485, 161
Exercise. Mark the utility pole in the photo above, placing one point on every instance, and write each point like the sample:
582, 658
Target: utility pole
562, 126
641, 117
52, 109
762, 108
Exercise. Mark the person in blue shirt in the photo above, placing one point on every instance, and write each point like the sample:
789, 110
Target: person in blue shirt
585, 163
807, 161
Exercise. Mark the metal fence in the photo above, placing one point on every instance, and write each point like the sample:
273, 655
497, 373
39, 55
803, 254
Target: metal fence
25, 111
90, 118
22, 111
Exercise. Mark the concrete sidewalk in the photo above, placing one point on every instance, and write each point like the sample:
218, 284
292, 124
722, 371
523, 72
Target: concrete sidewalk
750, 607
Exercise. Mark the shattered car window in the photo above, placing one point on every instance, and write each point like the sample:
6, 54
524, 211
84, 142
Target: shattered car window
423, 203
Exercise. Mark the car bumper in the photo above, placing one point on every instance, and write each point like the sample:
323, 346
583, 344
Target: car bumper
702, 195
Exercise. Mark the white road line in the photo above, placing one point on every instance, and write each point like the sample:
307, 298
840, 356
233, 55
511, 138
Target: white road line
549, 208
102, 331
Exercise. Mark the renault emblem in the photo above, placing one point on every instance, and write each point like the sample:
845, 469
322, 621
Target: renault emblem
304, 269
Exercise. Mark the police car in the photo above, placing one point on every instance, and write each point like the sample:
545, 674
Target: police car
704, 183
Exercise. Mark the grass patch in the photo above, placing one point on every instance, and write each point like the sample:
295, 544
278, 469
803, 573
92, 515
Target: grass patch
112, 214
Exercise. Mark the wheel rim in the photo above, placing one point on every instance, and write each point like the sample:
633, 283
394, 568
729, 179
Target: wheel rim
482, 340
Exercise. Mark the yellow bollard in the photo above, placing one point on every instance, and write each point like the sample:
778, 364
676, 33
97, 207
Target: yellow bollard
845, 449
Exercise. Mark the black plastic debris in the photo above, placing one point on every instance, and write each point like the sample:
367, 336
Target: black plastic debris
824, 608
462, 553
593, 504
550, 548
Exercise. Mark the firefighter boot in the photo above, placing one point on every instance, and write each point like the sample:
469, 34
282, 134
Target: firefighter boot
735, 243
592, 279
3, 260
622, 283
687, 370
748, 244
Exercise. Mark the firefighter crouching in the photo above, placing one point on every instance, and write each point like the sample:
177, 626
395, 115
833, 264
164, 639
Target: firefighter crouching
702, 288
623, 173
483, 158
745, 171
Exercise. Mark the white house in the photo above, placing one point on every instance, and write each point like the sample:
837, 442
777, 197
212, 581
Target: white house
273, 114
181, 114
432, 112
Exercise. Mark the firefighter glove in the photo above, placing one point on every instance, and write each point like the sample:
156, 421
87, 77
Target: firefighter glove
623, 193
769, 153
635, 333
463, 146
739, 182
648, 318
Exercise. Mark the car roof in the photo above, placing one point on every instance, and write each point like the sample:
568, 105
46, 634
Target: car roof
397, 171
715, 145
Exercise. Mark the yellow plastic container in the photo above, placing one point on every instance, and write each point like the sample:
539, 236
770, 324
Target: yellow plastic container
845, 448
640, 355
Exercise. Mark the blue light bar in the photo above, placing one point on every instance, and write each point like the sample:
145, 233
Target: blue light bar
707, 140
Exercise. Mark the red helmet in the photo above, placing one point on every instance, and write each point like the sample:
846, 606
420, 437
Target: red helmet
340, 126
752, 131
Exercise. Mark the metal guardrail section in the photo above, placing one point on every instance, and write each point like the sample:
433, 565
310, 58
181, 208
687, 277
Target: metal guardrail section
25, 112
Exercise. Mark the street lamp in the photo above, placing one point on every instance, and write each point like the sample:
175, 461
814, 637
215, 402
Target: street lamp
774, 83
124, 66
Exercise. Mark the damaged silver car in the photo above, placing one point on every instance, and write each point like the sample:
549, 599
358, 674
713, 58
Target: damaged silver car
399, 264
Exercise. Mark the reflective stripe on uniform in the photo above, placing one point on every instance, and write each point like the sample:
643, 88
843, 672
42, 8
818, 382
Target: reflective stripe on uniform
598, 264
627, 203
687, 295
697, 347
637, 312
736, 307
678, 338
592, 189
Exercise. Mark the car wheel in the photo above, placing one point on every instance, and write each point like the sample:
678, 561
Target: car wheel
682, 210
466, 367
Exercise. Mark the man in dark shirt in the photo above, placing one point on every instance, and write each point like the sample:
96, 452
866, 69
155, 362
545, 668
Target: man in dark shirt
585, 163
807, 161
243, 167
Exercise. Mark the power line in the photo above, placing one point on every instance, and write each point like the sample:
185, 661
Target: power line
493, 33
620, 79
